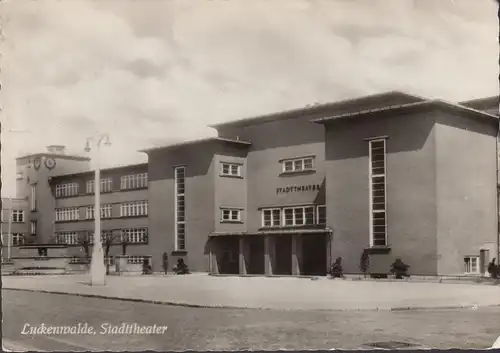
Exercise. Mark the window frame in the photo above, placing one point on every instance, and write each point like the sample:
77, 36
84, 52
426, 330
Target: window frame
18, 239
67, 214
134, 209
231, 211
468, 265
17, 216
372, 176
67, 190
230, 166
134, 181
33, 227
316, 219
136, 235
292, 164
179, 221
33, 202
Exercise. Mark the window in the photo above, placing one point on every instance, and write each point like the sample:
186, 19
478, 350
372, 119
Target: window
378, 215
33, 227
180, 208
471, 264
136, 208
321, 215
106, 211
106, 185
135, 235
230, 169
17, 239
137, 259
105, 235
134, 181
298, 164
65, 190
298, 216
69, 238
67, 214
230, 215
18, 216
271, 217
33, 197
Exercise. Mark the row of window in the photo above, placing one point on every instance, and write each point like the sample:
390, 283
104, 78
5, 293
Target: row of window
128, 209
127, 182
130, 235
291, 165
180, 207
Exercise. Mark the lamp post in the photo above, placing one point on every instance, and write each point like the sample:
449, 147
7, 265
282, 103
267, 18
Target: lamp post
97, 268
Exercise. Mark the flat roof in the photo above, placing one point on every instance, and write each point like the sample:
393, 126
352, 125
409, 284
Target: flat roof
492, 102
107, 169
55, 155
193, 142
349, 104
410, 107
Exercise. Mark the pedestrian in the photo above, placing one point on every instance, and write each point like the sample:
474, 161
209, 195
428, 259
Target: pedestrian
165, 262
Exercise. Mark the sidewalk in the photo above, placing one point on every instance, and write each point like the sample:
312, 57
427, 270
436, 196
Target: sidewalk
268, 293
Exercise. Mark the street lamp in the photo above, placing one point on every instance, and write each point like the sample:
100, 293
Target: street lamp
97, 268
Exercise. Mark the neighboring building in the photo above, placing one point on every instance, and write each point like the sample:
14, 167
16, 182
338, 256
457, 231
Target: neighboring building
15, 226
124, 209
392, 175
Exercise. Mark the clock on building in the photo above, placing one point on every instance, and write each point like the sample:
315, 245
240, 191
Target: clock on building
50, 163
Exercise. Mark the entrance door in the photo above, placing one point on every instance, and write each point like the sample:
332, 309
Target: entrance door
314, 254
483, 261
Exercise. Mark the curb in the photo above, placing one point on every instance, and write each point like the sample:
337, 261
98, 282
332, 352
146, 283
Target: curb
216, 306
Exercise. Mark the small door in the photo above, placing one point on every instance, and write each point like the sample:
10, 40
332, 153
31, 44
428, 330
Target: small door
483, 261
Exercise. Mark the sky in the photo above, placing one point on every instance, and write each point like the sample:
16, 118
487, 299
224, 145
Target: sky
151, 72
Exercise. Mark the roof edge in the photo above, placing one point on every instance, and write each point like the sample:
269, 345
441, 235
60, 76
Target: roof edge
194, 142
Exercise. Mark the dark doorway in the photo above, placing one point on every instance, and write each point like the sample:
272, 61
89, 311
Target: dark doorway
256, 251
314, 255
228, 255
283, 253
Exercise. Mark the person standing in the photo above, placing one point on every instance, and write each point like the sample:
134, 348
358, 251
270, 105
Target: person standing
165, 262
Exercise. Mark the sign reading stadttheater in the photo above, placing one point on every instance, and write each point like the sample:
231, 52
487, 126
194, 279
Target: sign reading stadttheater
294, 188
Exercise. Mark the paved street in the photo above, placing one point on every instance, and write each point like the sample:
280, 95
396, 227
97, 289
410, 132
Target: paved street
209, 328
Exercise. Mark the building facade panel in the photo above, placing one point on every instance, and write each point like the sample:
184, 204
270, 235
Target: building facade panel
410, 184
466, 192
199, 204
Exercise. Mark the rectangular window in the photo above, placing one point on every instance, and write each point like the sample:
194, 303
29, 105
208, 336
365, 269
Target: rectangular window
33, 197
67, 214
134, 181
106, 211
133, 209
378, 193
297, 164
135, 235
105, 235
230, 215
66, 190
106, 185
33, 227
18, 216
471, 264
321, 215
180, 208
137, 259
69, 238
298, 216
271, 217
17, 239
230, 169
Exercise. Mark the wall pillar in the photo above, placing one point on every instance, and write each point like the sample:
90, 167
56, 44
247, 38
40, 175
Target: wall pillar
214, 265
328, 242
269, 254
243, 256
296, 254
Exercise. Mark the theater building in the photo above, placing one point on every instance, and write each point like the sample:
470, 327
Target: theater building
390, 175
395, 175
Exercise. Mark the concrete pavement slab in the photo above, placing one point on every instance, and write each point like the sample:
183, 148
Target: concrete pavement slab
269, 293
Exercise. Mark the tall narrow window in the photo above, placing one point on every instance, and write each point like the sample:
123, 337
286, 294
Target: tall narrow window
180, 208
378, 193
33, 197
